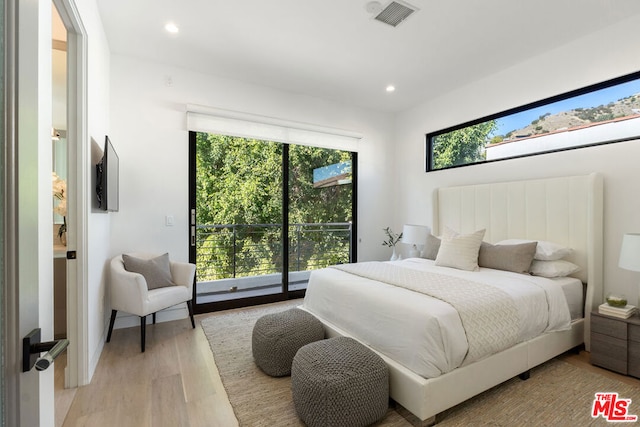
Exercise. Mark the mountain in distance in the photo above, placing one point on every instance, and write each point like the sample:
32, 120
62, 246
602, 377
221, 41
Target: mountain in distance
625, 107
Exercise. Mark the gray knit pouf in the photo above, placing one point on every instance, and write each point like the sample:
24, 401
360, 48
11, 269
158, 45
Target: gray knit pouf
339, 382
277, 337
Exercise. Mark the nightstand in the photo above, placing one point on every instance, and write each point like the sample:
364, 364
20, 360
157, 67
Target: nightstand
615, 343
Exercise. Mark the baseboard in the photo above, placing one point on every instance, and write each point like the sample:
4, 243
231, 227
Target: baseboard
95, 358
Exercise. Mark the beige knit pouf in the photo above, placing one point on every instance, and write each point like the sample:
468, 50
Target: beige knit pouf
339, 382
277, 337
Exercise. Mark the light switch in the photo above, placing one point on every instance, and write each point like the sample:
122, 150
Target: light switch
169, 221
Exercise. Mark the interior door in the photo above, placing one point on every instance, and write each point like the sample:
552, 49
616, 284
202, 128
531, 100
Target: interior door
28, 232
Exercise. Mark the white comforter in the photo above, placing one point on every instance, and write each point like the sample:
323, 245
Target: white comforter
420, 332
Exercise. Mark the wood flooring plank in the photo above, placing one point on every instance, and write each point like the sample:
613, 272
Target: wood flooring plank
168, 407
201, 413
63, 396
197, 366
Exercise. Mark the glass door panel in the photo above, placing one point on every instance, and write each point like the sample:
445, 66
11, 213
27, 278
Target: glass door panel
320, 211
237, 233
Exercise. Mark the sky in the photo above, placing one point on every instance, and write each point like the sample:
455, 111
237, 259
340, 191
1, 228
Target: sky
592, 99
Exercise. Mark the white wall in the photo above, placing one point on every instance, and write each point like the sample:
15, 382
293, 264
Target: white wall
148, 131
98, 223
606, 54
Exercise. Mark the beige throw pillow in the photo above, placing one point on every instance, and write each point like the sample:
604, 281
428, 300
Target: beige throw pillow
460, 250
156, 271
545, 251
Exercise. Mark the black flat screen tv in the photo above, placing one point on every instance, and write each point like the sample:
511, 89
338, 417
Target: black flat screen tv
107, 178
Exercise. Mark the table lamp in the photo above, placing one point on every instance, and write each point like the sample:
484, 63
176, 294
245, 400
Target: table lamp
630, 252
415, 235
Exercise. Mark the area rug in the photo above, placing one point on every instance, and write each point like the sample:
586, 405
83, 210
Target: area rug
558, 393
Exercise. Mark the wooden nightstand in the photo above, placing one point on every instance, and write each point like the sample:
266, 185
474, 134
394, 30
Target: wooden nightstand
615, 343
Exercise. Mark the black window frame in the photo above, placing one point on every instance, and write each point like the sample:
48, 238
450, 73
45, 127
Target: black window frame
429, 137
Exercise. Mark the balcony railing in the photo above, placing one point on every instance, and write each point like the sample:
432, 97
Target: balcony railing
239, 250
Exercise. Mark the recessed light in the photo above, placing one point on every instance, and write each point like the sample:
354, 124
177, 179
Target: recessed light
390, 88
171, 28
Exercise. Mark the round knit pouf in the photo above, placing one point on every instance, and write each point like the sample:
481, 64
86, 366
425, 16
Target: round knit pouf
277, 337
339, 382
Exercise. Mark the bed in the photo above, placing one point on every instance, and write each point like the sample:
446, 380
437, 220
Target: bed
564, 210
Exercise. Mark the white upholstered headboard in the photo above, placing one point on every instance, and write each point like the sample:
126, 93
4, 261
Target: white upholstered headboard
565, 210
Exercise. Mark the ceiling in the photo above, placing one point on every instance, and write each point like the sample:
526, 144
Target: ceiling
333, 49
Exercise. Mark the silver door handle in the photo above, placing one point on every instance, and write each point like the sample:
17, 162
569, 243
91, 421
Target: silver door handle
32, 347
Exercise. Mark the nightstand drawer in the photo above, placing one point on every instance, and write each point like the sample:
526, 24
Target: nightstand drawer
609, 352
610, 327
633, 365
634, 333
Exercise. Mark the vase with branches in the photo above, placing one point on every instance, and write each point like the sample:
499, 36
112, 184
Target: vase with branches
391, 241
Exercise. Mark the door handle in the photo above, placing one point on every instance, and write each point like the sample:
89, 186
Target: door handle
32, 347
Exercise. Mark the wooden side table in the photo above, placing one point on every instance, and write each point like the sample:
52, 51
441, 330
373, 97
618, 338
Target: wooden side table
615, 343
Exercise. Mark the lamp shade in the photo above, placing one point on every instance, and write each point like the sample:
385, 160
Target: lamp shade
415, 234
630, 252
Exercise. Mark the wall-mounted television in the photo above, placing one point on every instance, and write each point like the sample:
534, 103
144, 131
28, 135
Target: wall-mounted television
107, 178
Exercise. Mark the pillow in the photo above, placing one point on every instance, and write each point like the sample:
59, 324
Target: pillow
460, 250
156, 271
558, 268
516, 258
431, 247
546, 251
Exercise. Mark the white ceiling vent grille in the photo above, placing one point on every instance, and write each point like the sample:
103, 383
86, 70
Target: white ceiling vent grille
395, 13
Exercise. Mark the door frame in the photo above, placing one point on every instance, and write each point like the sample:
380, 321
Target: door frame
77, 372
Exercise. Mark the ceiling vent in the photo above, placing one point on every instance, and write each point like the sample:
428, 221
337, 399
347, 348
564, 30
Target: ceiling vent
395, 12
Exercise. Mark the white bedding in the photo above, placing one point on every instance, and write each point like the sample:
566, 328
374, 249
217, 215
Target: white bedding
574, 293
420, 332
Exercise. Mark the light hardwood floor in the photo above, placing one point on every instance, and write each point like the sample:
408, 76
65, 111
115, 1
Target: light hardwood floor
175, 382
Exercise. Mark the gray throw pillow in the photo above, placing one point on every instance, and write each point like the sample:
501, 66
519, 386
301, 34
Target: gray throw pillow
431, 247
156, 271
516, 258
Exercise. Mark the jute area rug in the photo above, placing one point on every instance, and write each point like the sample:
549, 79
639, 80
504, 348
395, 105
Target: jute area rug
557, 394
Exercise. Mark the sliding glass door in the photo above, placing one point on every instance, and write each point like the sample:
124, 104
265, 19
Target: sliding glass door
254, 201
320, 210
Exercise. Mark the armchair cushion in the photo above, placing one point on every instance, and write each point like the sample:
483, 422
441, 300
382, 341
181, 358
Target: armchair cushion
156, 271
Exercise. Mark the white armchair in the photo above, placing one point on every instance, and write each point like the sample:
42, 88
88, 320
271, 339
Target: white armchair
129, 292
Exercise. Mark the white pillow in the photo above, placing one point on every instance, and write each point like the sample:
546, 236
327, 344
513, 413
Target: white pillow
558, 268
546, 251
460, 250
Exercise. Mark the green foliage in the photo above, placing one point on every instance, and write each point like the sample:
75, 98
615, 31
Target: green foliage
236, 180
596, 114
239, 182
462, 146
316, 205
